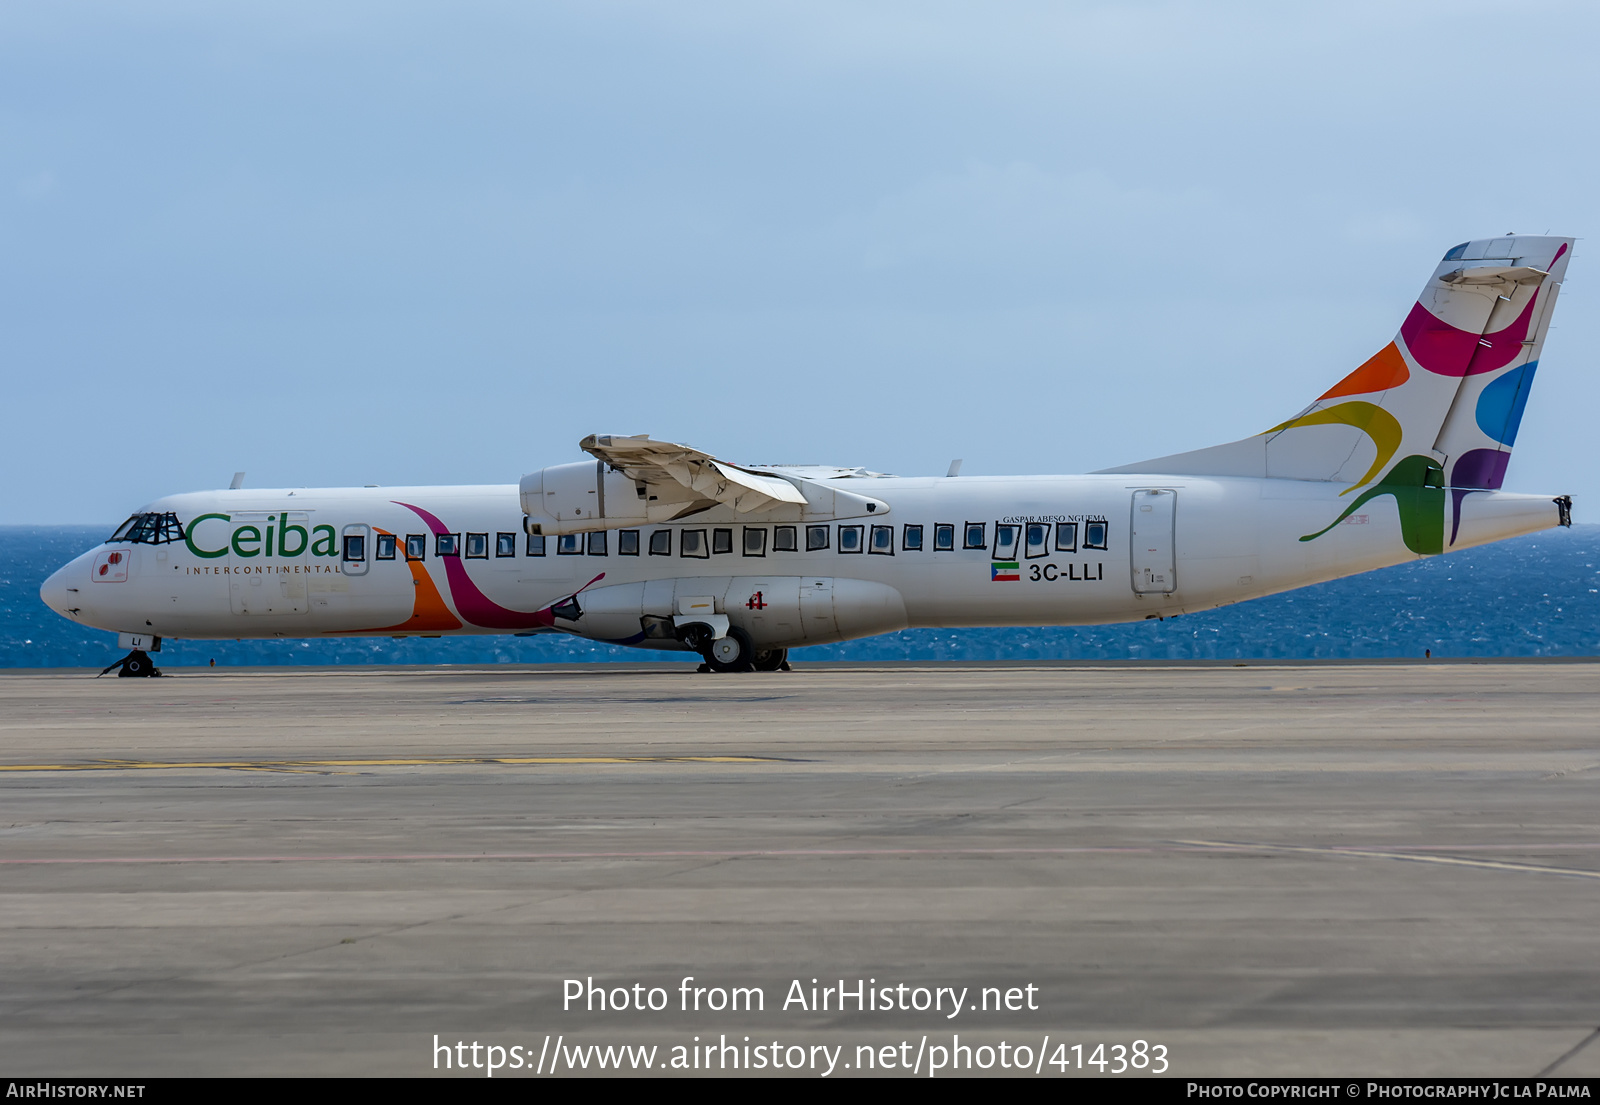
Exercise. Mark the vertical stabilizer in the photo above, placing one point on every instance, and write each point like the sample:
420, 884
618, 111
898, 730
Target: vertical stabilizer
1435, 409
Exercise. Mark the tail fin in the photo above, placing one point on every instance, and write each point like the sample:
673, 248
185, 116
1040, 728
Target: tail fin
1445, 397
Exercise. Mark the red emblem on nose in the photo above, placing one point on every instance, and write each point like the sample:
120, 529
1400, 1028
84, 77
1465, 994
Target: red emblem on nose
114, 558
104, 568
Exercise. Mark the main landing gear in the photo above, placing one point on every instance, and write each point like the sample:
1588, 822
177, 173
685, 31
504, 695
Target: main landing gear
135, 665
735, 652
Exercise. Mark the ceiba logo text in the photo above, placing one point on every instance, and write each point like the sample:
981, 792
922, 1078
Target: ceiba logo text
280, 540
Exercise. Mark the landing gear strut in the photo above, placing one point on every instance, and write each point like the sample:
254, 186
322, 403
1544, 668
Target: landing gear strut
135, 665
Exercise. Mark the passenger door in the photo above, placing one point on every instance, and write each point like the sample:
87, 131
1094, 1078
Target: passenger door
1151, 536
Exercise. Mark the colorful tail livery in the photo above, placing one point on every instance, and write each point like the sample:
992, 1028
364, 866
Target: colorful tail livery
1432, 416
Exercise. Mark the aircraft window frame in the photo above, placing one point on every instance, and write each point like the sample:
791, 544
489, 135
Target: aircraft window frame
416, 546
818, 538
626, 537
944, 537
700, 542
1105, 534
779, 536
760, 534
385, 547
535, 542
1044, 539
483, 547
662, 538
983, 536
1016, 540
354, 548
569, 544
722, 541
505, 544
860, 540
908, 543
872, 541
597, 543
148, 528
1070, 545
447, 544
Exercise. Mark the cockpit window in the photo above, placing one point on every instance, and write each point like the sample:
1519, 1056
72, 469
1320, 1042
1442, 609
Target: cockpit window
149, 529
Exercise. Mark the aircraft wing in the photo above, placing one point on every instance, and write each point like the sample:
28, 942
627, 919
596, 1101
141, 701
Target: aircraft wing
678, 473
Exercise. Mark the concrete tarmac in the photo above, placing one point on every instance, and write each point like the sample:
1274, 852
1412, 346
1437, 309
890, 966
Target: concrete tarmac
1298, 870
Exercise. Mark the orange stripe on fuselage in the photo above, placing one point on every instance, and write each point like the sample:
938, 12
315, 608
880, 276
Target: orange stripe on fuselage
428, 611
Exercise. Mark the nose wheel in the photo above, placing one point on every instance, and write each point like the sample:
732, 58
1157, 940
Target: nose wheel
135, 665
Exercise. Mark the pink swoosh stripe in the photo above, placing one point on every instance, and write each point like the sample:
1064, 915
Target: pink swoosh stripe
1447, 351
471, 603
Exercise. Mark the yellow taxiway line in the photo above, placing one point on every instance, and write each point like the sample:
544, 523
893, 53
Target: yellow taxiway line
416, 761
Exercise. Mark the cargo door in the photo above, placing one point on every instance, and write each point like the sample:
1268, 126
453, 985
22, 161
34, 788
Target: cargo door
260, 580
1154, 558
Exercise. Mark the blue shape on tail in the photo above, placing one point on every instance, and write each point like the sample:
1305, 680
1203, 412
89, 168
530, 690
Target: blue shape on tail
1500, 405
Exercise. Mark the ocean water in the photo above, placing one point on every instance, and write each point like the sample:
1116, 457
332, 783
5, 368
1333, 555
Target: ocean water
1533, 596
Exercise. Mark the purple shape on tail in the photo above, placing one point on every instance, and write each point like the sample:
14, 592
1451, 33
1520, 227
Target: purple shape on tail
1477, 470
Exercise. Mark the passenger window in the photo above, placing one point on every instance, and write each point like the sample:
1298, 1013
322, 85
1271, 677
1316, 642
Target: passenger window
850, 538
816, 538
911, 541
976, 536
1005, 541
385, 550
721, 541
535, 544
355, 546
446, 544
416, 546
505, 544
944, 537
1066, 537
661, 543
784, 539
1038, 539
693, 544
628, 542
882, 541
1094, 535
755, 541
477, 546
569, 544
597, 543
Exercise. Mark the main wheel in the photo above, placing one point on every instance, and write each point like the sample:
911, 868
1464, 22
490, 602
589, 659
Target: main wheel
730, 653
769, 659
136, 665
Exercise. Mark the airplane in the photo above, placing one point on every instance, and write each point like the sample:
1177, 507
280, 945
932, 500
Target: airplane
657, 545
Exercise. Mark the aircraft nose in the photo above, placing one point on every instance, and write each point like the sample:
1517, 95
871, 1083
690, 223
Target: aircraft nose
55, 594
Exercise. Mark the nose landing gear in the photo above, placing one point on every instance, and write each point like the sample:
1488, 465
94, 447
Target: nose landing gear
135, 665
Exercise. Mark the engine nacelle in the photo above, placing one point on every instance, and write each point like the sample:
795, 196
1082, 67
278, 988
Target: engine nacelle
582, 497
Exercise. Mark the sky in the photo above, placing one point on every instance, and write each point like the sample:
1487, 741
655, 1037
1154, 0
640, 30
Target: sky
404, 243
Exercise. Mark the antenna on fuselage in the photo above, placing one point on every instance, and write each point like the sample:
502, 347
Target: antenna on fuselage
955, 468
238, 481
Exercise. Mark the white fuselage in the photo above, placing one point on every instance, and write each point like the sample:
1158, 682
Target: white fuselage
264, 564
